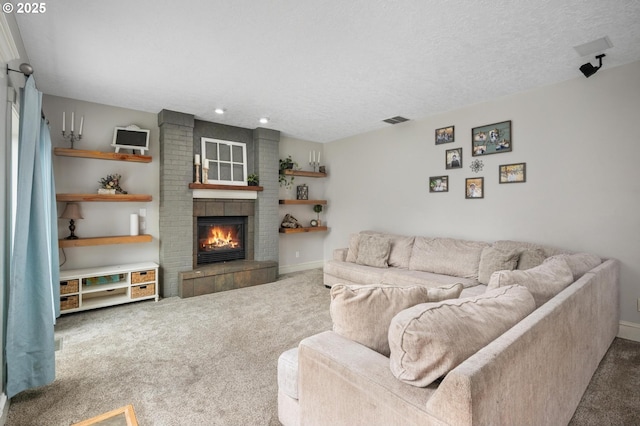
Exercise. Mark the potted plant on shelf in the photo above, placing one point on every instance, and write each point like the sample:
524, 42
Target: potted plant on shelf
253, 180
286, 164
318, 209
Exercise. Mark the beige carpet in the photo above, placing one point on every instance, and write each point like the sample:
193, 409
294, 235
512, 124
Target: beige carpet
211, 360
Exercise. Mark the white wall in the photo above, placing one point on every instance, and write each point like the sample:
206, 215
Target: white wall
81, 175
580, 140
309, 246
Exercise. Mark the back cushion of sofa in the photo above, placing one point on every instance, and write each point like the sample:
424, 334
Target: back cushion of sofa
429, 340
363, 313
448, 256
579, 263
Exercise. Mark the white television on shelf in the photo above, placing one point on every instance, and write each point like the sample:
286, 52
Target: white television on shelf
131, 137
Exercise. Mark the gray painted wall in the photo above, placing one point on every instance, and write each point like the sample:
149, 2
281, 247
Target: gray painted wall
579, 139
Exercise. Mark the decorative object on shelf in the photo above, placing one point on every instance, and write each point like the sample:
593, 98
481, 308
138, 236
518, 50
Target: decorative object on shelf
131, 137
205, 171
196, 165
290, 222
474, 187
286, 164
318, 209
302, 192
476, 165
312, 159
72, 212
71, 137
111, 182
513, 173
314, 223
453, 158
491, 139
445, 135
134, 224
439, 184
322, 169
253, 180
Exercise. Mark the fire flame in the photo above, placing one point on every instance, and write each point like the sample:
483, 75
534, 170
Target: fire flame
220, 237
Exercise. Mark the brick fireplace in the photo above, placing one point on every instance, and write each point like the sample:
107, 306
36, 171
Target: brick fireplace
180, 273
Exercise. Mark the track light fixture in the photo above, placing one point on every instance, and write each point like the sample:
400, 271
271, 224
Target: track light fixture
588, 70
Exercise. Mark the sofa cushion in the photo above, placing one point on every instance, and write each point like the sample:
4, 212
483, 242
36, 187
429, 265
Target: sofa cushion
373, 250
352, 253
288, 373
430, 339
401, 247
353, 272
530, 258
579, 263
459, 258
493, 259
398, 276
543, 281
363, 313
507, 245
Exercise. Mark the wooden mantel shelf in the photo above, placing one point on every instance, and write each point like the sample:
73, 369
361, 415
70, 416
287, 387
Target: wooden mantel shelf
300, 230
68, 152
99, 241
291, 172
66, 198
225, 187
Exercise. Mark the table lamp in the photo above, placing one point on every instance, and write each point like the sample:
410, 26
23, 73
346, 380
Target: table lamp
71, 212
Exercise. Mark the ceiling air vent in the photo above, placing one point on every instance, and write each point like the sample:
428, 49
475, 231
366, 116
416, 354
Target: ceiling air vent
395, 120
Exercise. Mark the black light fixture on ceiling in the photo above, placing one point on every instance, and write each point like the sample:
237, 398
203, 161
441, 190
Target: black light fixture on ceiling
588, 70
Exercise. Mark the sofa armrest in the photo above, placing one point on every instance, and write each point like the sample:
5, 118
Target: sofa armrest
341, 382
340, 254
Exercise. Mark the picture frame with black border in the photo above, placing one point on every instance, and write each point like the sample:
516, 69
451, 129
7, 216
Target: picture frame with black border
445, 135
512, 173
439, 184
453, 158
493, 138
474, 188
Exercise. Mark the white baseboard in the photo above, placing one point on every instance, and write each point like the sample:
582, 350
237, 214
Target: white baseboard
4, 408
629, 331
300, 267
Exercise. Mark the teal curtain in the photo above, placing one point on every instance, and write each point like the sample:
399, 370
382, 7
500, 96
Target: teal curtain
34, 290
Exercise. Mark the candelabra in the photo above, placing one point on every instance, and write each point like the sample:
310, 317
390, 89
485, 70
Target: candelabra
71, 137
314, 164
197, 167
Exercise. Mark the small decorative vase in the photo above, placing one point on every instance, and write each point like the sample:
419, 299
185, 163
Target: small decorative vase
106, 191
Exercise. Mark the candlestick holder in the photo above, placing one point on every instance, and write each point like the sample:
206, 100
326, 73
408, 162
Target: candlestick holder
205, 174
197, 167
314, 164
71, 137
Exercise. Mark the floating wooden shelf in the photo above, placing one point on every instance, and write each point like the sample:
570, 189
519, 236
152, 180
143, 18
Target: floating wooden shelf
291, 172
323, 202
68, 152
100, 241
103, 197
300, 230
225, 187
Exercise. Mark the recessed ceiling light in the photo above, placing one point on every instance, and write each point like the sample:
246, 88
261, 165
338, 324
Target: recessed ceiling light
264, 120
219, 110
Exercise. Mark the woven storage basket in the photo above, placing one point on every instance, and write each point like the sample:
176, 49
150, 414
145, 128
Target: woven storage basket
69, 302
143, 276
69, 286
143, 291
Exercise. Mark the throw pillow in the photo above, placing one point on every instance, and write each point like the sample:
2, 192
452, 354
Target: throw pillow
429, 340
579, 263
373, 250
363, 313
530, 258
352, 253
492, 260
543, 281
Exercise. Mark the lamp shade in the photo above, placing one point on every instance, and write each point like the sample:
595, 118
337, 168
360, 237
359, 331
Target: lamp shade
71, 211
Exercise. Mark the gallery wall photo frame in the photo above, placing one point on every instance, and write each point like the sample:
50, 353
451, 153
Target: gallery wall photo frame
493, 138
453, 158
439, 184
512, 173
445, 135
474, 188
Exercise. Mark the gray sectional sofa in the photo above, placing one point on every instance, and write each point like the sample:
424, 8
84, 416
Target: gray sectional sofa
517, 345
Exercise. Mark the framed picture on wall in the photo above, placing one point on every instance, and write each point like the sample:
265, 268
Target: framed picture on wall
445, 135
513, 173
474, 187
453, 158
491, 139
439, 184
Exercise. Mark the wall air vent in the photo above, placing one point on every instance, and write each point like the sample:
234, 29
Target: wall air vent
395, 120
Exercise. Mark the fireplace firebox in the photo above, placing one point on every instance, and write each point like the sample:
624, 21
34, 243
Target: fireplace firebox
221, 238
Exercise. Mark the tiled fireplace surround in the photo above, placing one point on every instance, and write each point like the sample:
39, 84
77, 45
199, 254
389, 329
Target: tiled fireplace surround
180, 276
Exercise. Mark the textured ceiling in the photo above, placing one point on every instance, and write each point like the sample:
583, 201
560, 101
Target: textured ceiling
320, 70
